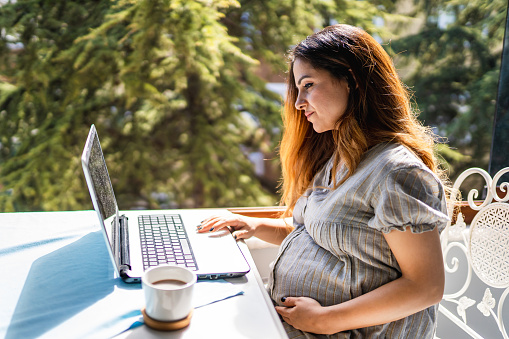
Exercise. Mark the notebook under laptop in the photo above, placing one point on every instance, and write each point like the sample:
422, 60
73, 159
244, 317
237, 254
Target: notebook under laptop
211, 256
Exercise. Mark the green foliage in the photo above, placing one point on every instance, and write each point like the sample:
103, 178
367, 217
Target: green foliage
153, 76
455, 73
39, 131
267, 29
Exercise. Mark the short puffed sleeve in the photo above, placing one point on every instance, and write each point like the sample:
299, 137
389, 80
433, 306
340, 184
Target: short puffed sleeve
409, 197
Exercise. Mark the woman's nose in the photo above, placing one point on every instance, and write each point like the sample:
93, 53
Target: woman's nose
300, 104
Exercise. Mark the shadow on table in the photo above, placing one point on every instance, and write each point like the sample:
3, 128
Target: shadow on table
63, 283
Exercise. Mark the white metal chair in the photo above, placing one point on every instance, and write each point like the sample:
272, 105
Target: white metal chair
476, 259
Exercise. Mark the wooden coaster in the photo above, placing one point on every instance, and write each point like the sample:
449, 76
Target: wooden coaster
166, 325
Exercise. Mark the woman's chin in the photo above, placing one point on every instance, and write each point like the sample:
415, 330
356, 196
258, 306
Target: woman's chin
319, 129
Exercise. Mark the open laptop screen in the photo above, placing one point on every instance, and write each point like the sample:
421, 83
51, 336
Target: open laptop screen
101, 180
101, 193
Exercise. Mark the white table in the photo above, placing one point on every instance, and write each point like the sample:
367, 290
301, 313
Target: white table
57, 283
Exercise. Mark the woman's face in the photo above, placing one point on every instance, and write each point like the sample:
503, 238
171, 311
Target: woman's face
322, 98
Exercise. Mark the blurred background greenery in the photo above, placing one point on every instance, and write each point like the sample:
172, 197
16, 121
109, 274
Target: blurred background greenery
186, 95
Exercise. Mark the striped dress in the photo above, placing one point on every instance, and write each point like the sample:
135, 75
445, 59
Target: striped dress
337, 250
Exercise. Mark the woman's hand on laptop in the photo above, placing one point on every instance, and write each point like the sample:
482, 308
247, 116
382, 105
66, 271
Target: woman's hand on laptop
272, 230
242, 227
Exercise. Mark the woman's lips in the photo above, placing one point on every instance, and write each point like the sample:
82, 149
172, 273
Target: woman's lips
308, 114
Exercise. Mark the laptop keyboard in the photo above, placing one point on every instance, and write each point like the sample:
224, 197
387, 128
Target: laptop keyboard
164, 241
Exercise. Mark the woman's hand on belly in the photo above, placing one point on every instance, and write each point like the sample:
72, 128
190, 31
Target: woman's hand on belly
304, 314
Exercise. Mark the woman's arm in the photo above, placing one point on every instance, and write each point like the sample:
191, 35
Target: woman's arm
420, 286
272, 230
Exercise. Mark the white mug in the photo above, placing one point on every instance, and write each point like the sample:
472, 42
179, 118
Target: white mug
168, 292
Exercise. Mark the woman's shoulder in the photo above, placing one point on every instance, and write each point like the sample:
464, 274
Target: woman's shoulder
392, 161
392, 156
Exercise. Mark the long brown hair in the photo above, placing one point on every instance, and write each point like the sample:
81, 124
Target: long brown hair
378, 110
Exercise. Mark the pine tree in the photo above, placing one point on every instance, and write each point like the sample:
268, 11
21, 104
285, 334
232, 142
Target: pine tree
41, 114
454, 75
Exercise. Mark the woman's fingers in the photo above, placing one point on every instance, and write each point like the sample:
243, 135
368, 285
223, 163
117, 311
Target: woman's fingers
241, 234
217, 223
240, 226
211, 224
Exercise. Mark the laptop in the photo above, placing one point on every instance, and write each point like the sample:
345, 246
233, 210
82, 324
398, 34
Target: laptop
138, 240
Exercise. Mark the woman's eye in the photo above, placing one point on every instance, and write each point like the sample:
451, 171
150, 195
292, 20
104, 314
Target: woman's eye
308, 85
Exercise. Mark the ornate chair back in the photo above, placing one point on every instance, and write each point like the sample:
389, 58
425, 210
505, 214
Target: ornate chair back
476, 259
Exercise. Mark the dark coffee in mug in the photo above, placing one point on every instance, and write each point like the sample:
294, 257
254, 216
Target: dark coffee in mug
169, 283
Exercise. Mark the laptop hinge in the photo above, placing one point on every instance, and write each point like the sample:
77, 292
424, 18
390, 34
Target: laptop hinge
125, 263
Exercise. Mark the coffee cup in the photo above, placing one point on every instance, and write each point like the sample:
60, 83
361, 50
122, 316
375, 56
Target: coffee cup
168, 292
